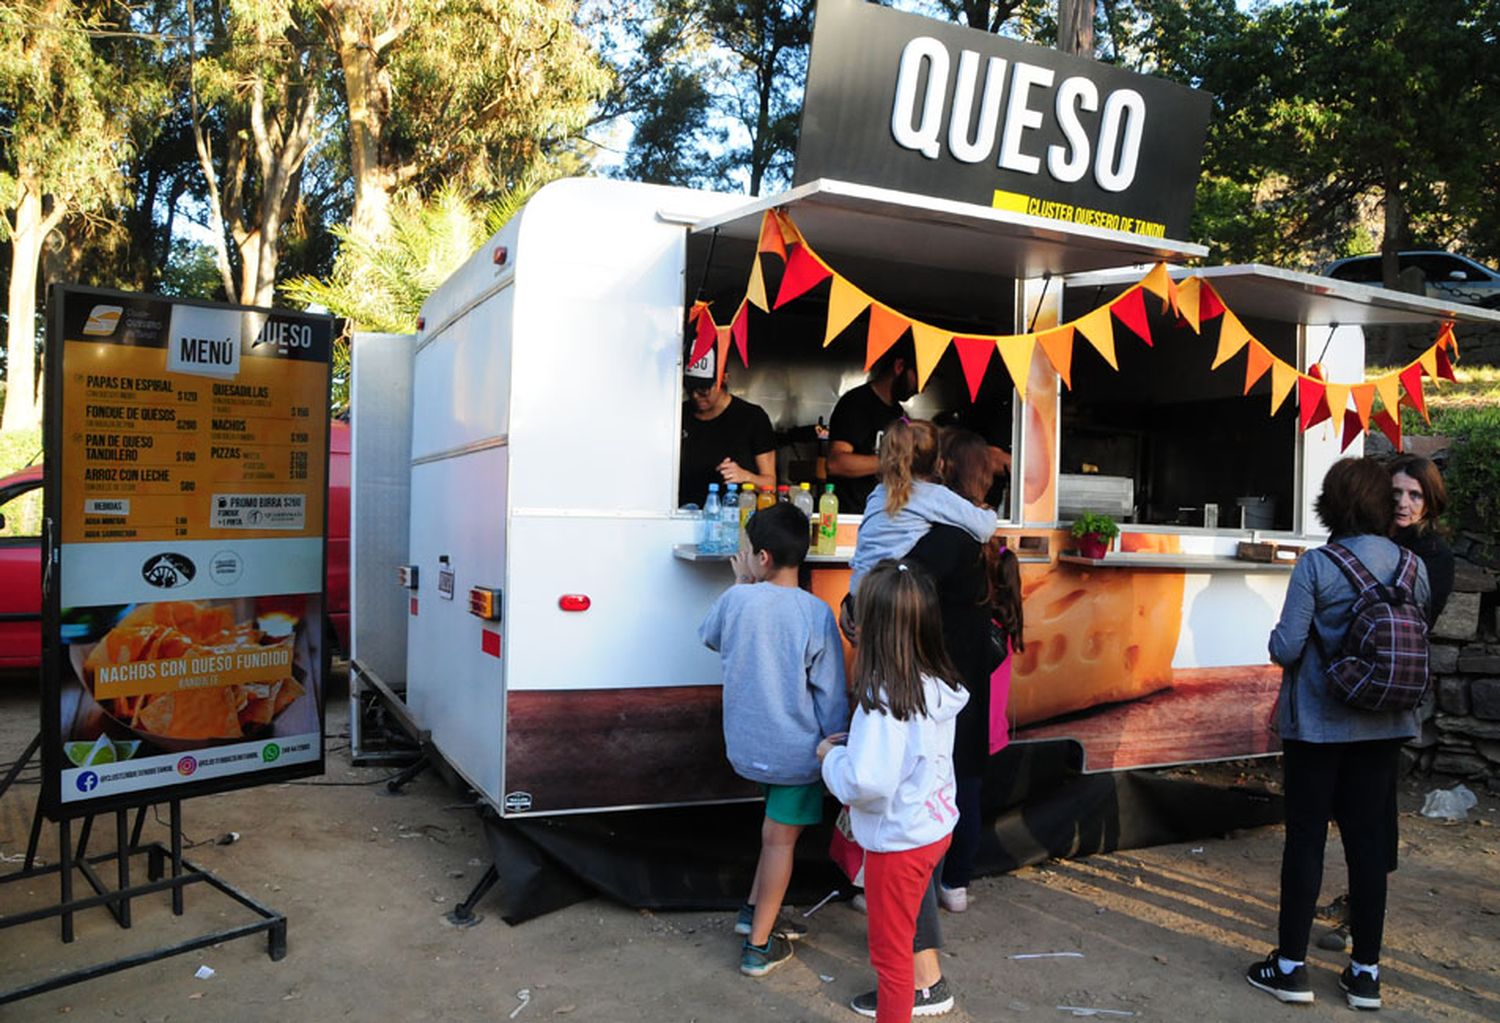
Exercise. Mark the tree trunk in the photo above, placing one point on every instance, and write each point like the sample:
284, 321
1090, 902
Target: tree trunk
1395, 224
367, 93
1075, 27
28, 230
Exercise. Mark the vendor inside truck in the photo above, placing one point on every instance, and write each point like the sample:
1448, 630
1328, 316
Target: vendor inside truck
858, 420
725, 439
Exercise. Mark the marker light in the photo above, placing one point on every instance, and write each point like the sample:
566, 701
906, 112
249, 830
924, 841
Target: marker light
574, 602
406, 576
484, 603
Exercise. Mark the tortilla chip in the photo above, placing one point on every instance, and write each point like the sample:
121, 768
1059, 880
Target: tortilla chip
288, 694
192, 714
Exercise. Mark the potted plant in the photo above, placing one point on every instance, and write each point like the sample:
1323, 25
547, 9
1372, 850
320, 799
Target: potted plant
1094, 531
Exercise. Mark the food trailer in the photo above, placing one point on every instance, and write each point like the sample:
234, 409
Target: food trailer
551, 587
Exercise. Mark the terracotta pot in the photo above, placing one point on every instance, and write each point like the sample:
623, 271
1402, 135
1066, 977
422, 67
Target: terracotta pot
1092, 545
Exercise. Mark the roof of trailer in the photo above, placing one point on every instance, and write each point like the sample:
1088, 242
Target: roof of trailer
1270, 293
842, 218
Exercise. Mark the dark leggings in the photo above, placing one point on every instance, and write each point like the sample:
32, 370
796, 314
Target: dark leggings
1346, 782
958, 865
928, 934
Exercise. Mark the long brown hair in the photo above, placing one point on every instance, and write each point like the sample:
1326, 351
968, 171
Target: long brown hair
966, 464
900, 640
908, 452
1434, 491
1356, 498
1002, 572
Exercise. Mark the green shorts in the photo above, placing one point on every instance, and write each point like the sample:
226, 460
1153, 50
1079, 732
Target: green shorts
794, 804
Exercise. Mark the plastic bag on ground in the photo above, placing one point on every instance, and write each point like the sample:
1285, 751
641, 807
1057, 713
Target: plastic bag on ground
1449, 804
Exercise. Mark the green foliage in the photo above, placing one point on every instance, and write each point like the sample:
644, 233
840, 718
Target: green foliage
190, 272
1473, 471
1097, 524
19, 448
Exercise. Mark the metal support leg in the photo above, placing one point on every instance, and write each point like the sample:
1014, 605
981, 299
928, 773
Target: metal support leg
65, 874
463, 914
35, 839
21, 762
122, 855
84, 834
176, 818
135, 831
276, 940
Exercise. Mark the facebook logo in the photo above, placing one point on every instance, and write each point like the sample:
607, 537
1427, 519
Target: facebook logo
88, 781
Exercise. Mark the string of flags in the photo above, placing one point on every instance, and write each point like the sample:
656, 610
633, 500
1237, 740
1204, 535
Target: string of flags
1350, 407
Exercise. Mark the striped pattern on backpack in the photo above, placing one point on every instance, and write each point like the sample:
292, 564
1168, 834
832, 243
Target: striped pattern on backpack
1382, 662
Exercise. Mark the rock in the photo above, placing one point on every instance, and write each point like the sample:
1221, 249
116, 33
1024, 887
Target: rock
1442, 659
1484, 698
1460, 619
1426, 738
1489, 749
1453, 694
1471, 578
1464, 765
1467, 726
1478, 660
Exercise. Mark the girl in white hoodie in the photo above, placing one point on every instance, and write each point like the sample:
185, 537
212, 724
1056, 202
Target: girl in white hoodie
896, 771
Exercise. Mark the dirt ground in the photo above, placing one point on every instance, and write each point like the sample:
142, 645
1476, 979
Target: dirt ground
365, 878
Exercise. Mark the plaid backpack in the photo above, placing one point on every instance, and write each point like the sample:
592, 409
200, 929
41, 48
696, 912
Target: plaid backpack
1382, 662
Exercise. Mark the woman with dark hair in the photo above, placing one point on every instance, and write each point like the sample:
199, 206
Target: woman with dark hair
1338, 761
1421, 497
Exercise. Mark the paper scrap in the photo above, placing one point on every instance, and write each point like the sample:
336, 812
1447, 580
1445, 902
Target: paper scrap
1047, 955
1079, 1010
204, 972
825, 900
525, 996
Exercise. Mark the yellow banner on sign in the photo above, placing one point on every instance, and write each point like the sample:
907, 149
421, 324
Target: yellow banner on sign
201, 669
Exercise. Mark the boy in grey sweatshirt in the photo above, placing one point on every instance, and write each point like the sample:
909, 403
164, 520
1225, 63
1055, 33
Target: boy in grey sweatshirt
784, 692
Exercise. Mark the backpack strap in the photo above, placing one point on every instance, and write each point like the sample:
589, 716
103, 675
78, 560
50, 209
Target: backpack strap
1354, 570
1406, 574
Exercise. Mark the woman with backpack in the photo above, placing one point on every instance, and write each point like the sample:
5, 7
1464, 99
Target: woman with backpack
1353, 647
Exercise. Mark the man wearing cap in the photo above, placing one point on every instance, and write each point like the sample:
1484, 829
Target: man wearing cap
724, 439
860, 417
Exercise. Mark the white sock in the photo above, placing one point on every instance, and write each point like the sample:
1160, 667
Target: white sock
1373, 971
1286, 965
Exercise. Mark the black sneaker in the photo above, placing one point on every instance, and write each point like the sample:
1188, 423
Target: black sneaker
791, 930
927, 1001
1287, 987
1360, 989
757, 962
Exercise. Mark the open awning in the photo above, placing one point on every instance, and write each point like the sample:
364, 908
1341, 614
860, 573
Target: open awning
1270, 293
840, 218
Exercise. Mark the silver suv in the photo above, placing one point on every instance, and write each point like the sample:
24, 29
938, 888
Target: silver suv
1444, 275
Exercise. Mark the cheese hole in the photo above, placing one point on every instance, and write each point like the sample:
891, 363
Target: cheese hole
1028, 659
1057, 648
1060, 606
1132, 656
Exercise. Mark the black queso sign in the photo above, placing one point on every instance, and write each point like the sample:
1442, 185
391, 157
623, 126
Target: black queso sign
909, 103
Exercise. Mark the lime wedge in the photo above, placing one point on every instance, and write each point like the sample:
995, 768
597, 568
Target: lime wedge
78, 752
89, 754
126, 750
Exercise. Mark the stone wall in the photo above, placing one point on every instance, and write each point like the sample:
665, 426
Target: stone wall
1395, 346
1461, 718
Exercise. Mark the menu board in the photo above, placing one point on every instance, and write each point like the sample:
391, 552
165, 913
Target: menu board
186, 467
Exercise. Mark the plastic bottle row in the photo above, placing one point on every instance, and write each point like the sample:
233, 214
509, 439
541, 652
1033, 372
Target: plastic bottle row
721, 529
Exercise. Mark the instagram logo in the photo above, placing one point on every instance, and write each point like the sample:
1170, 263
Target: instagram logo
186, 766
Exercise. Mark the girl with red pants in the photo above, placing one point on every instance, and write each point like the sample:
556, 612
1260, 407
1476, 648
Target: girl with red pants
895, 770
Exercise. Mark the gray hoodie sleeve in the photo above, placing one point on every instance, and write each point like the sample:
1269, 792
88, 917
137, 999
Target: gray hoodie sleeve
1291, 633
825, 677
937, 504
712, 629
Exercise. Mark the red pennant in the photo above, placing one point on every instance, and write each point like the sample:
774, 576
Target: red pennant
1444, 365
1130, 308
1209, 303
705, 335
1316, 371
1352, 429
974, 354
1389, 425
1311, 408
1411, 380
803, 273
739, 329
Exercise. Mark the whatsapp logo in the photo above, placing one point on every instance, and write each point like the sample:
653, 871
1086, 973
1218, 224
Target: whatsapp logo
270, 752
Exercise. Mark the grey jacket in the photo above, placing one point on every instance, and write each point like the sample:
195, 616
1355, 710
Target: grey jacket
1318, 608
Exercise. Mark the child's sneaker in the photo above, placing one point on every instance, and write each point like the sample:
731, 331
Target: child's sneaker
757, 962
858, 903
954, 900
791, 930
927, 1001
1287, 987
1360, 989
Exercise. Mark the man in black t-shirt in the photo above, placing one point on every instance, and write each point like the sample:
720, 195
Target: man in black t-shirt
859, 419
725, 439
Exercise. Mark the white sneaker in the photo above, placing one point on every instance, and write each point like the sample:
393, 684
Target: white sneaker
954, 900
858, 903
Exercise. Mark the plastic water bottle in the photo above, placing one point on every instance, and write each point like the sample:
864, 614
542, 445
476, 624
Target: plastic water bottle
802, 499
747, 509
828, 521
728, 526
708, 525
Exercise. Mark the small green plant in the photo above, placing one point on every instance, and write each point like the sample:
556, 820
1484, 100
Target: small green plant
1096, 524
1473, 473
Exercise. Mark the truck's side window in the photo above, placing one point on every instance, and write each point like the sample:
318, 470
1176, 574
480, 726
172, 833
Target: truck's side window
22, 513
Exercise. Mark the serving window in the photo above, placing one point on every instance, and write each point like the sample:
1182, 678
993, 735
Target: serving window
1168, 441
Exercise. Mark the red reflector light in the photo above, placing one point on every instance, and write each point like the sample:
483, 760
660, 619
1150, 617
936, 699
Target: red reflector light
574, 602
500, 255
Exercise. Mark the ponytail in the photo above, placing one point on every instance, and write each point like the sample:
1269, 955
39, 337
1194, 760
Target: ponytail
1003, 576
908, 452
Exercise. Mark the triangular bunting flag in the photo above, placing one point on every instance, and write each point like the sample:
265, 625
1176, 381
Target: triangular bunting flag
1283, 376
1311, 408
845, 303
723, 337
1352, 430
1445, 366
803, 273
1336, 396
1411, 381
1209, 303
1016, 352
1390, 425
1389, 389
930, 343
1364, 401
755, 291
1187, 301
1260, 360
789, 230
703, 332
1159, 283
1445, 337
1131, 309
1428, 361
1232, 337
974, 356
1098, 329
886, 327
770, 236
739, 329
1058, 347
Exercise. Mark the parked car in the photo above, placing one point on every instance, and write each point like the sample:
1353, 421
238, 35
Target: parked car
21, 556
1444, 275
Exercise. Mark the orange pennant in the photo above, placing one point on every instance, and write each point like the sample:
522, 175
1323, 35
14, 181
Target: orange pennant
755, 291
1159, 283
1187, 301
1016, 352
1428, 361
886, 328
723, 335
789, 230
1337, 397
930, 343
1283, 376
1057, 345
1098, 329
845, 303
1389, 389
1364, 402
1232, 337
770, 236
1256, 365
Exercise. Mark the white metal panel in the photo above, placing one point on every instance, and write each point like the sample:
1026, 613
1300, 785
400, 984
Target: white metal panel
1341, 350
461, 379
642, 627
1227, 617
454, 688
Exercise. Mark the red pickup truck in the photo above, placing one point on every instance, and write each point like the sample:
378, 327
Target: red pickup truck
21, 556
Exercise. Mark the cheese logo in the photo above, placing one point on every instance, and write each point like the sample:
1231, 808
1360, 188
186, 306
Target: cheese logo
103, 319
168, 571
